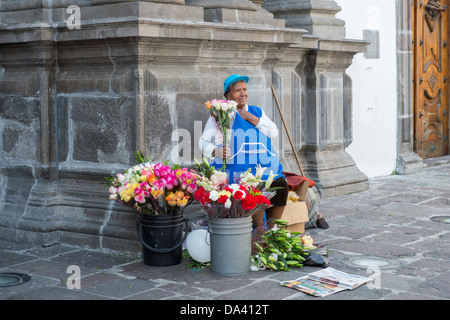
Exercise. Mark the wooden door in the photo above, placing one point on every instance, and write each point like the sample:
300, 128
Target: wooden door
431, 77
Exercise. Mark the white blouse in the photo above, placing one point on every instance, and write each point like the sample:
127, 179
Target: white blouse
212, 137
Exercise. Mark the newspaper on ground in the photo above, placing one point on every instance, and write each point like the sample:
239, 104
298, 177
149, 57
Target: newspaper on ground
325, 282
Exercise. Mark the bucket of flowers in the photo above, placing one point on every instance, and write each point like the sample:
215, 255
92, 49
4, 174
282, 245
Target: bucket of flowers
158, 193
229, 208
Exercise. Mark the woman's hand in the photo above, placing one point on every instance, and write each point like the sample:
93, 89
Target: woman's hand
247, 116
222, 152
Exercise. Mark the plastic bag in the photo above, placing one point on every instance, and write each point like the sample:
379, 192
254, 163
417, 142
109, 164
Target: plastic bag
317, 258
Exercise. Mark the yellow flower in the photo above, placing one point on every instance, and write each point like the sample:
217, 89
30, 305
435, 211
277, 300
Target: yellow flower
156, 193
125, 197
224, 192
182, 201
179, 194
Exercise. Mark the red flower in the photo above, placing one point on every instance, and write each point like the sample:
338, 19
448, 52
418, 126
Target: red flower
202, 196
222, 199
249, 202
260, 199
240, 195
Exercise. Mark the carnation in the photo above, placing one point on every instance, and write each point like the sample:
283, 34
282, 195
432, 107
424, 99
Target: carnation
214, 195
219, 178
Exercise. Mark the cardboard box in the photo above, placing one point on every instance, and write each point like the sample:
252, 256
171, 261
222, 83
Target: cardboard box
297, 213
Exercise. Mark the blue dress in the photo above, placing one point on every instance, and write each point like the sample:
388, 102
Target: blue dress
249, 147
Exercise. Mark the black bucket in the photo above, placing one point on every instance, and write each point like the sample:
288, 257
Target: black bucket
162, 238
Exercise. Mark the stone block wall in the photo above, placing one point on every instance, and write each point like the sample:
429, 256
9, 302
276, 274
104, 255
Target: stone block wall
83, 88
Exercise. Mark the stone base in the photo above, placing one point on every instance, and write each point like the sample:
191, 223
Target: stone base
409, 163
334, 172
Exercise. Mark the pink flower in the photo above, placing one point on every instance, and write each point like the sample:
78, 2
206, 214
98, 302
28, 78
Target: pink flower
192, 187
161, 170
158, 185
144, 186
139, 198
112, 189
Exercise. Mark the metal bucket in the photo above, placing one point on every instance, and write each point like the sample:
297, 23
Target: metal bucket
231, 245
162, 238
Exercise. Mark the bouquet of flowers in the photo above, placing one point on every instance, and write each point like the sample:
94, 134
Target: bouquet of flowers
222, 111
153, 189
219, 199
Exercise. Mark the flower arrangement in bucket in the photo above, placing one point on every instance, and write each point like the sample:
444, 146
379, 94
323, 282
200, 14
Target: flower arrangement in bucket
229, 208
159, 193
153, 189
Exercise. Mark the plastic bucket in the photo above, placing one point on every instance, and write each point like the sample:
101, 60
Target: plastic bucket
162, 238
231, 245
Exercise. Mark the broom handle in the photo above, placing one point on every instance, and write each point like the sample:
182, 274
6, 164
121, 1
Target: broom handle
287, 131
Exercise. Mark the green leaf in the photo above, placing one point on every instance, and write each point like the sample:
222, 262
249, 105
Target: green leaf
140, 158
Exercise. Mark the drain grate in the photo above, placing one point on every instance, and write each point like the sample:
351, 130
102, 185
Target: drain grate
369, 262
9, 279
443, 219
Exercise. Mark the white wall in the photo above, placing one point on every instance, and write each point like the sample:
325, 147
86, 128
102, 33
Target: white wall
374, 86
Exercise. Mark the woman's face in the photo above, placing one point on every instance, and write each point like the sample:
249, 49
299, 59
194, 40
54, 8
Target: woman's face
239, 93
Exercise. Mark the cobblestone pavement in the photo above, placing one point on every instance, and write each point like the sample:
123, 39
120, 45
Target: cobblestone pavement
398, 227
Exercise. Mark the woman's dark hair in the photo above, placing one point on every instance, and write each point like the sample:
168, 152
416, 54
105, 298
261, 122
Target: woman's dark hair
227, 91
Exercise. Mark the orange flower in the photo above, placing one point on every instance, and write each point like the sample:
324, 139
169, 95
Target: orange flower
208, 105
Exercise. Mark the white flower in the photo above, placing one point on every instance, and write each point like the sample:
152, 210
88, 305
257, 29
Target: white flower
232, 104
113, 196
219, 178
214, 195
121, 178
234, 187
259, 171
270, 179
137, 167
227, 204
224, 106
112, 189
251, 180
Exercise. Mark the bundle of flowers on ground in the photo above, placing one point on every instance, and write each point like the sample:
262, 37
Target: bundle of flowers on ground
219, 199
277, 249
153, 189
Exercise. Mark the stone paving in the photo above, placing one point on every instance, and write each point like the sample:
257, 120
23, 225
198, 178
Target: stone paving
398, 227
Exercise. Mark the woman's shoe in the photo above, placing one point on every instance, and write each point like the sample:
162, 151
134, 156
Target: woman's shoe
321, 223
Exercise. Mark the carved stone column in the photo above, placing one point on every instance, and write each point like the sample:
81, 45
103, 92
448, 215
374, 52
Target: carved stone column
325, 95
316, 16
326, 104
407, 160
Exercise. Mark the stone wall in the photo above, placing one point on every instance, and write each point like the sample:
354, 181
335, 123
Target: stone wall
84, 84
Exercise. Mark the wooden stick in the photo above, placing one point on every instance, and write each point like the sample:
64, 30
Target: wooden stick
287, 131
